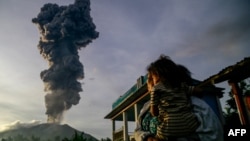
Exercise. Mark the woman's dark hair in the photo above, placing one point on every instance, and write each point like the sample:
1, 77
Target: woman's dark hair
185, 74
169, 72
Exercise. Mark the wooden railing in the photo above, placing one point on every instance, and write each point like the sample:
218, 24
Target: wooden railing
118, 135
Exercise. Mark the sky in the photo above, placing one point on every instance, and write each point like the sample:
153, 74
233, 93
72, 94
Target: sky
204, 36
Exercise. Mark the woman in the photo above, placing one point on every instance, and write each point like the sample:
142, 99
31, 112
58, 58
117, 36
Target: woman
209, 128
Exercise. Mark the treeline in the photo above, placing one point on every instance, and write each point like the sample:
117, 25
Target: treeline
75, 137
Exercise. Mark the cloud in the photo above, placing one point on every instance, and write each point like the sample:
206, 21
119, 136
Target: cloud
18, 124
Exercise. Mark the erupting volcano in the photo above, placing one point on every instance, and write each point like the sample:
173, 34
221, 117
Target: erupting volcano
64, 30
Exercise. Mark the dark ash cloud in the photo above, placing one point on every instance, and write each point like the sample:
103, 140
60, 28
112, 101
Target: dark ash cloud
64, 30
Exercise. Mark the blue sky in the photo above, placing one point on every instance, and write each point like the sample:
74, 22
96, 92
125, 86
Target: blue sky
205, 36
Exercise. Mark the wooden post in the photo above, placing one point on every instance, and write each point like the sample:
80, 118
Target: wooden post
125, 126
237, 94
136, 109
113, 128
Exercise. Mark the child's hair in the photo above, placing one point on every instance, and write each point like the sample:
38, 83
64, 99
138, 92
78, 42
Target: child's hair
168, 71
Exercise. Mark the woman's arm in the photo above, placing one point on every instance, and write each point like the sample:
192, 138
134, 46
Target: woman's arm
139, 133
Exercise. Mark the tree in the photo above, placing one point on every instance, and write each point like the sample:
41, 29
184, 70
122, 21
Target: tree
33, 138
231, 114
107, 139
76, 137
232, 120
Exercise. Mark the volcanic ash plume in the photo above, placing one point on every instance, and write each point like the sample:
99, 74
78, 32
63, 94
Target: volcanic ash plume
64, 30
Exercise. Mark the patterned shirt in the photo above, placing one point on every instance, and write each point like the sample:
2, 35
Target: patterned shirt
149, 123
175, 112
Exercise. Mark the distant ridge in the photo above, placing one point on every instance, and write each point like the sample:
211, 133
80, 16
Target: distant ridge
45, 131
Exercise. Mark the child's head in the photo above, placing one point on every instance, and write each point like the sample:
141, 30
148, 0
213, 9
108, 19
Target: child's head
166, 71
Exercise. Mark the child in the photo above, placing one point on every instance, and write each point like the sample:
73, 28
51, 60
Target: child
169, 100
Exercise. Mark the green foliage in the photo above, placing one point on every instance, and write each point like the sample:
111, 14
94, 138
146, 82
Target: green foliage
245, 87
33, 138
230, 107
107, 139
77, 137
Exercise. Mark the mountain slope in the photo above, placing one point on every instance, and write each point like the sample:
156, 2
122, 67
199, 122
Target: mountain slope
46, 131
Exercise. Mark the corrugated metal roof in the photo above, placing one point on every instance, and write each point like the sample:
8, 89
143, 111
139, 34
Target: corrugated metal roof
236, 72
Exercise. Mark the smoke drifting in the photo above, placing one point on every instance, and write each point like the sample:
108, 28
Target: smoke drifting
64, 30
